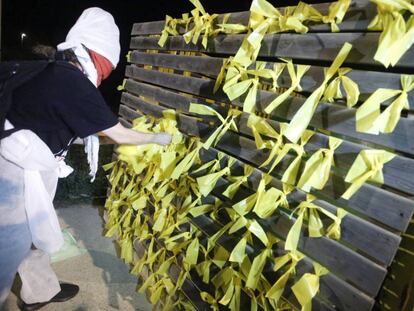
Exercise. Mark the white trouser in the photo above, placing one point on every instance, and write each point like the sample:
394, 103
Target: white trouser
39, 282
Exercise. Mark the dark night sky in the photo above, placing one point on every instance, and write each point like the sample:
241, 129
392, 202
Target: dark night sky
48, 21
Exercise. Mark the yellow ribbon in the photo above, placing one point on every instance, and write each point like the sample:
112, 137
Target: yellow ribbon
295, 78
318, 167
303, 116
259, 126
290, 174
238, 82
333, 90
397, 35
336, 14
369, 118
293, 257
170, 28
310, 211
308, 286
366, 167
269, 200
237, 181
226, 124
203, 24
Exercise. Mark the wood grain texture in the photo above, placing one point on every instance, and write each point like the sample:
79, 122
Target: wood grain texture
308, 48
368, 81
357, 18
334, 118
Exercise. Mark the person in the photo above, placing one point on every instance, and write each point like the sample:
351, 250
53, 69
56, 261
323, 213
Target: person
50, 111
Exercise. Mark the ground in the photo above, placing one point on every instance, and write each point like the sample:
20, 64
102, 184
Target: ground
104, 280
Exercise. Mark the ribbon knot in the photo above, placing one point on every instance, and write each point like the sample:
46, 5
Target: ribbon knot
292, 257
318, 166
366, 167
295, 77
369, 118
397, 35
336, 14
303, 116
333, 90
308, 286
226, 124
309, 211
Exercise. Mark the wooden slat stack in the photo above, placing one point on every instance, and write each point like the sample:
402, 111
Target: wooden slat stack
364, 268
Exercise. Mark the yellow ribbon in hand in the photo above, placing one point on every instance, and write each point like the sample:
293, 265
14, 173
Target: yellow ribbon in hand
308, 286
303, 116
366, 167
369, 118
333, 90
318, 167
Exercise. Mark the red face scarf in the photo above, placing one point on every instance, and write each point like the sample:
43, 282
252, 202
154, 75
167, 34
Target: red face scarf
102, 65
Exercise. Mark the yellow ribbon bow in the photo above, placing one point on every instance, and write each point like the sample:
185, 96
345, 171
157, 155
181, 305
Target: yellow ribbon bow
310, 211
397, 35
290, 174
369, 118
207, 183
237, 181
269, 200
333, 90
203, 24
303, 116
170, 29
256, 269
308, 286
318, 167
366, 167
295, 78
226, 124
293, 257
259, 126
336, 14
239, 83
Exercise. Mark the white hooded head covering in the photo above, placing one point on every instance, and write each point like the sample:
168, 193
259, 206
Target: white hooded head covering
96, 30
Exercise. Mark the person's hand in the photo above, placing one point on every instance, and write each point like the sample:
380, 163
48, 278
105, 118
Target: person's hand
163, 139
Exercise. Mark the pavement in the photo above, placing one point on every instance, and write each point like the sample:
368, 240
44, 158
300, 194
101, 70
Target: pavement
104, 280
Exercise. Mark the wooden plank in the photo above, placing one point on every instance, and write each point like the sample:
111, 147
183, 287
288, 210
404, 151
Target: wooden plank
309, 48
332, 289
368, 81
344, 260
189, 288
334, 118
374, 202
343, 119
356, 231
357, 17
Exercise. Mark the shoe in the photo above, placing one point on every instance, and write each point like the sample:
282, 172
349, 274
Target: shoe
68, 291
